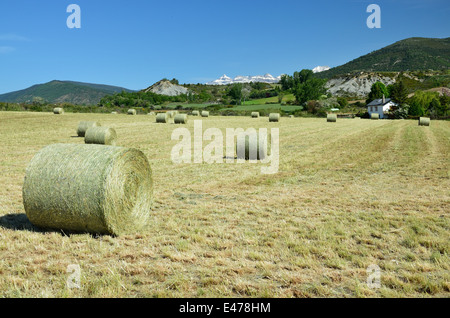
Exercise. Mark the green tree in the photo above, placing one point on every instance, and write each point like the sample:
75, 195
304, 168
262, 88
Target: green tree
445, 104
286, 82
434, 108
377, 91
235, 92
399, 93
343, 102
416, 108
420, 101
303, 76
312, 89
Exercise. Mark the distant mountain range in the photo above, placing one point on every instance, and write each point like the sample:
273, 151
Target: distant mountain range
225, 80
63, 92
413, 54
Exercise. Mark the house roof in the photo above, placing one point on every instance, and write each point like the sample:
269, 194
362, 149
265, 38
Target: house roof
379, 102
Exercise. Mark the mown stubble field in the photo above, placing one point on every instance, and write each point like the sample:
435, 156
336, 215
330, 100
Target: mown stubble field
347, 195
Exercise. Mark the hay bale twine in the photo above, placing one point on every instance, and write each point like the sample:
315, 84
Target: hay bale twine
424, 121
255, 114
331, 118
132, 112
274, 117
101, 136
243, 148
180, 119
88, 188
205, 113
58, 111
162, 118
375, 116
85, 125
195, 113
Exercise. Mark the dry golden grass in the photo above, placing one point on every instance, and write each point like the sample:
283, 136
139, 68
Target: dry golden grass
347, 195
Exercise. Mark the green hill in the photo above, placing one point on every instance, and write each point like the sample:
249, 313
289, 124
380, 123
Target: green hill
413, 54
63, 92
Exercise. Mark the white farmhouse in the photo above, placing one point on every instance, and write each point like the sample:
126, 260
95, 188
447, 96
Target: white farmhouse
380, 106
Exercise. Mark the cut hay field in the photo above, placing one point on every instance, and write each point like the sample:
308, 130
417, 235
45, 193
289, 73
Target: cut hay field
348, 195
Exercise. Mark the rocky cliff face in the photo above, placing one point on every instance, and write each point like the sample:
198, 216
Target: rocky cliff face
357, 85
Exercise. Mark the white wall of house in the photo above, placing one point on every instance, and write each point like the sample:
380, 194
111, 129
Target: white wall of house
379, 109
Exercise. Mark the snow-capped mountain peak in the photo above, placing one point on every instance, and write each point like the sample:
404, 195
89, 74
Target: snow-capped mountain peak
319, 69
225, 80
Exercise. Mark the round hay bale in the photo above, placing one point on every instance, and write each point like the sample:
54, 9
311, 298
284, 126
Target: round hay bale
113, 113
243, 148
331, 118
132, 112
424, 121
85, 125
255, 114
375, 116
291, 116
162, 118
274, 117
180, 119
88, 188
205, 113
151, 114
58, 111
101, 136
195, 113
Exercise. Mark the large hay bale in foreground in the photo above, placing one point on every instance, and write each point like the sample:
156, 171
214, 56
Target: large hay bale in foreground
180, 119
424, 121
244, 150
331, 118
195, 113
88, 188
255, 114
58, 111
205, 113
162, 118
274, 117
375, 116
101, 136
132, 112
83, 126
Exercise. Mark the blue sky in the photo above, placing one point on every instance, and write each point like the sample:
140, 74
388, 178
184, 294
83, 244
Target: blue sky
135, 43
